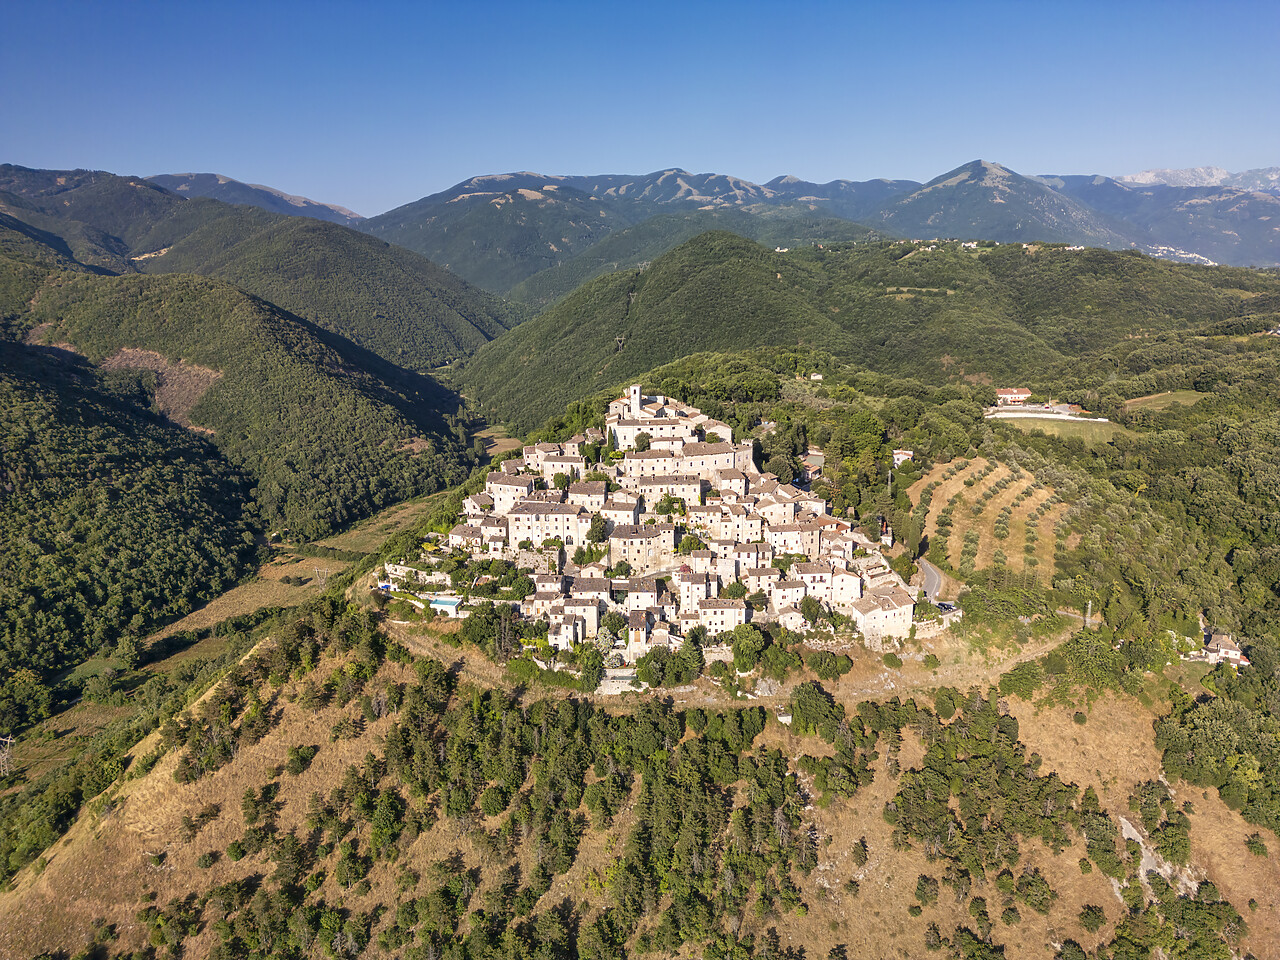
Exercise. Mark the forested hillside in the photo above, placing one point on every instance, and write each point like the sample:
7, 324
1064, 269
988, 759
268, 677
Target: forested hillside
329, 432
384, 298
936, 312
391, 301
111, 520
630, 246
365, 785
499, 232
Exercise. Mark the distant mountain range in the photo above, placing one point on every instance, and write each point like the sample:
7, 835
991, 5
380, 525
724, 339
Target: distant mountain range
222, 188
499, 231
1263, 179
381, 297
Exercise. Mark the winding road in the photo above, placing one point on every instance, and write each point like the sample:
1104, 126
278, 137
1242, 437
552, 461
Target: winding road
932, 578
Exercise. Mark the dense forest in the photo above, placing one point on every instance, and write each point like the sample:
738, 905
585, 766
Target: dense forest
649, 239
111, 520
935, 312
329, 432
387, 299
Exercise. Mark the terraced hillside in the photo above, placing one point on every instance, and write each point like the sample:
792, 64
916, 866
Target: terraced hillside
980, 513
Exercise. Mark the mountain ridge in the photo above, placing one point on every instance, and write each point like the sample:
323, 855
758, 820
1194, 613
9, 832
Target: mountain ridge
391, 300
546, 220
230, 190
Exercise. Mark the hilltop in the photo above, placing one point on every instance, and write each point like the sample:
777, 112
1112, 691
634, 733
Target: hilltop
772, 227
986, 201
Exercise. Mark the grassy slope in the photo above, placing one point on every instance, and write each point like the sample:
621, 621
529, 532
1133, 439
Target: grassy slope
104, 867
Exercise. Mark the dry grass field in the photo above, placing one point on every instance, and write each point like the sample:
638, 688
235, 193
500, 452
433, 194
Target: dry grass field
1092, 432
1156, 402
109, 860
265, 589
497, 441
369, 535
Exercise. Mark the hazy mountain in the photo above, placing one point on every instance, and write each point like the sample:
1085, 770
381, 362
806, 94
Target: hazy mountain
1263, 179
222, 188
673, 187
1197, 224
1186, 177
500, 230
850, 199
986, 201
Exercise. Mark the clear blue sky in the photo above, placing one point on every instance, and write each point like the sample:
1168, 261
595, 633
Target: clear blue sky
372, 105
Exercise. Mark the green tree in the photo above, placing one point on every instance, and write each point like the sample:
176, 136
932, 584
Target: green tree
598, 532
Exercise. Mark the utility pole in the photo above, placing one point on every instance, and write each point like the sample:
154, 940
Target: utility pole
6, 756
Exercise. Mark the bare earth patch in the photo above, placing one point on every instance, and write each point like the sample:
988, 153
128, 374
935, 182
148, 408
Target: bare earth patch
179, 386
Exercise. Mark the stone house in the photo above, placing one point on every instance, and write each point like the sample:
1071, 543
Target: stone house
717, 615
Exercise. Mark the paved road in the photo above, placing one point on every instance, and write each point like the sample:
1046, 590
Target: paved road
932, 578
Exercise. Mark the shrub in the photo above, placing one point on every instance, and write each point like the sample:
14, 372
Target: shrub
1022, 681
892, 660
1092, 917
300, 758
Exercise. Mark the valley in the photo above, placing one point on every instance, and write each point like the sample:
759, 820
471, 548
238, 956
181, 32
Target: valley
356, 604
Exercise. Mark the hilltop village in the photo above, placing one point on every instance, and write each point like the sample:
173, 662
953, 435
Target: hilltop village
676, 529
